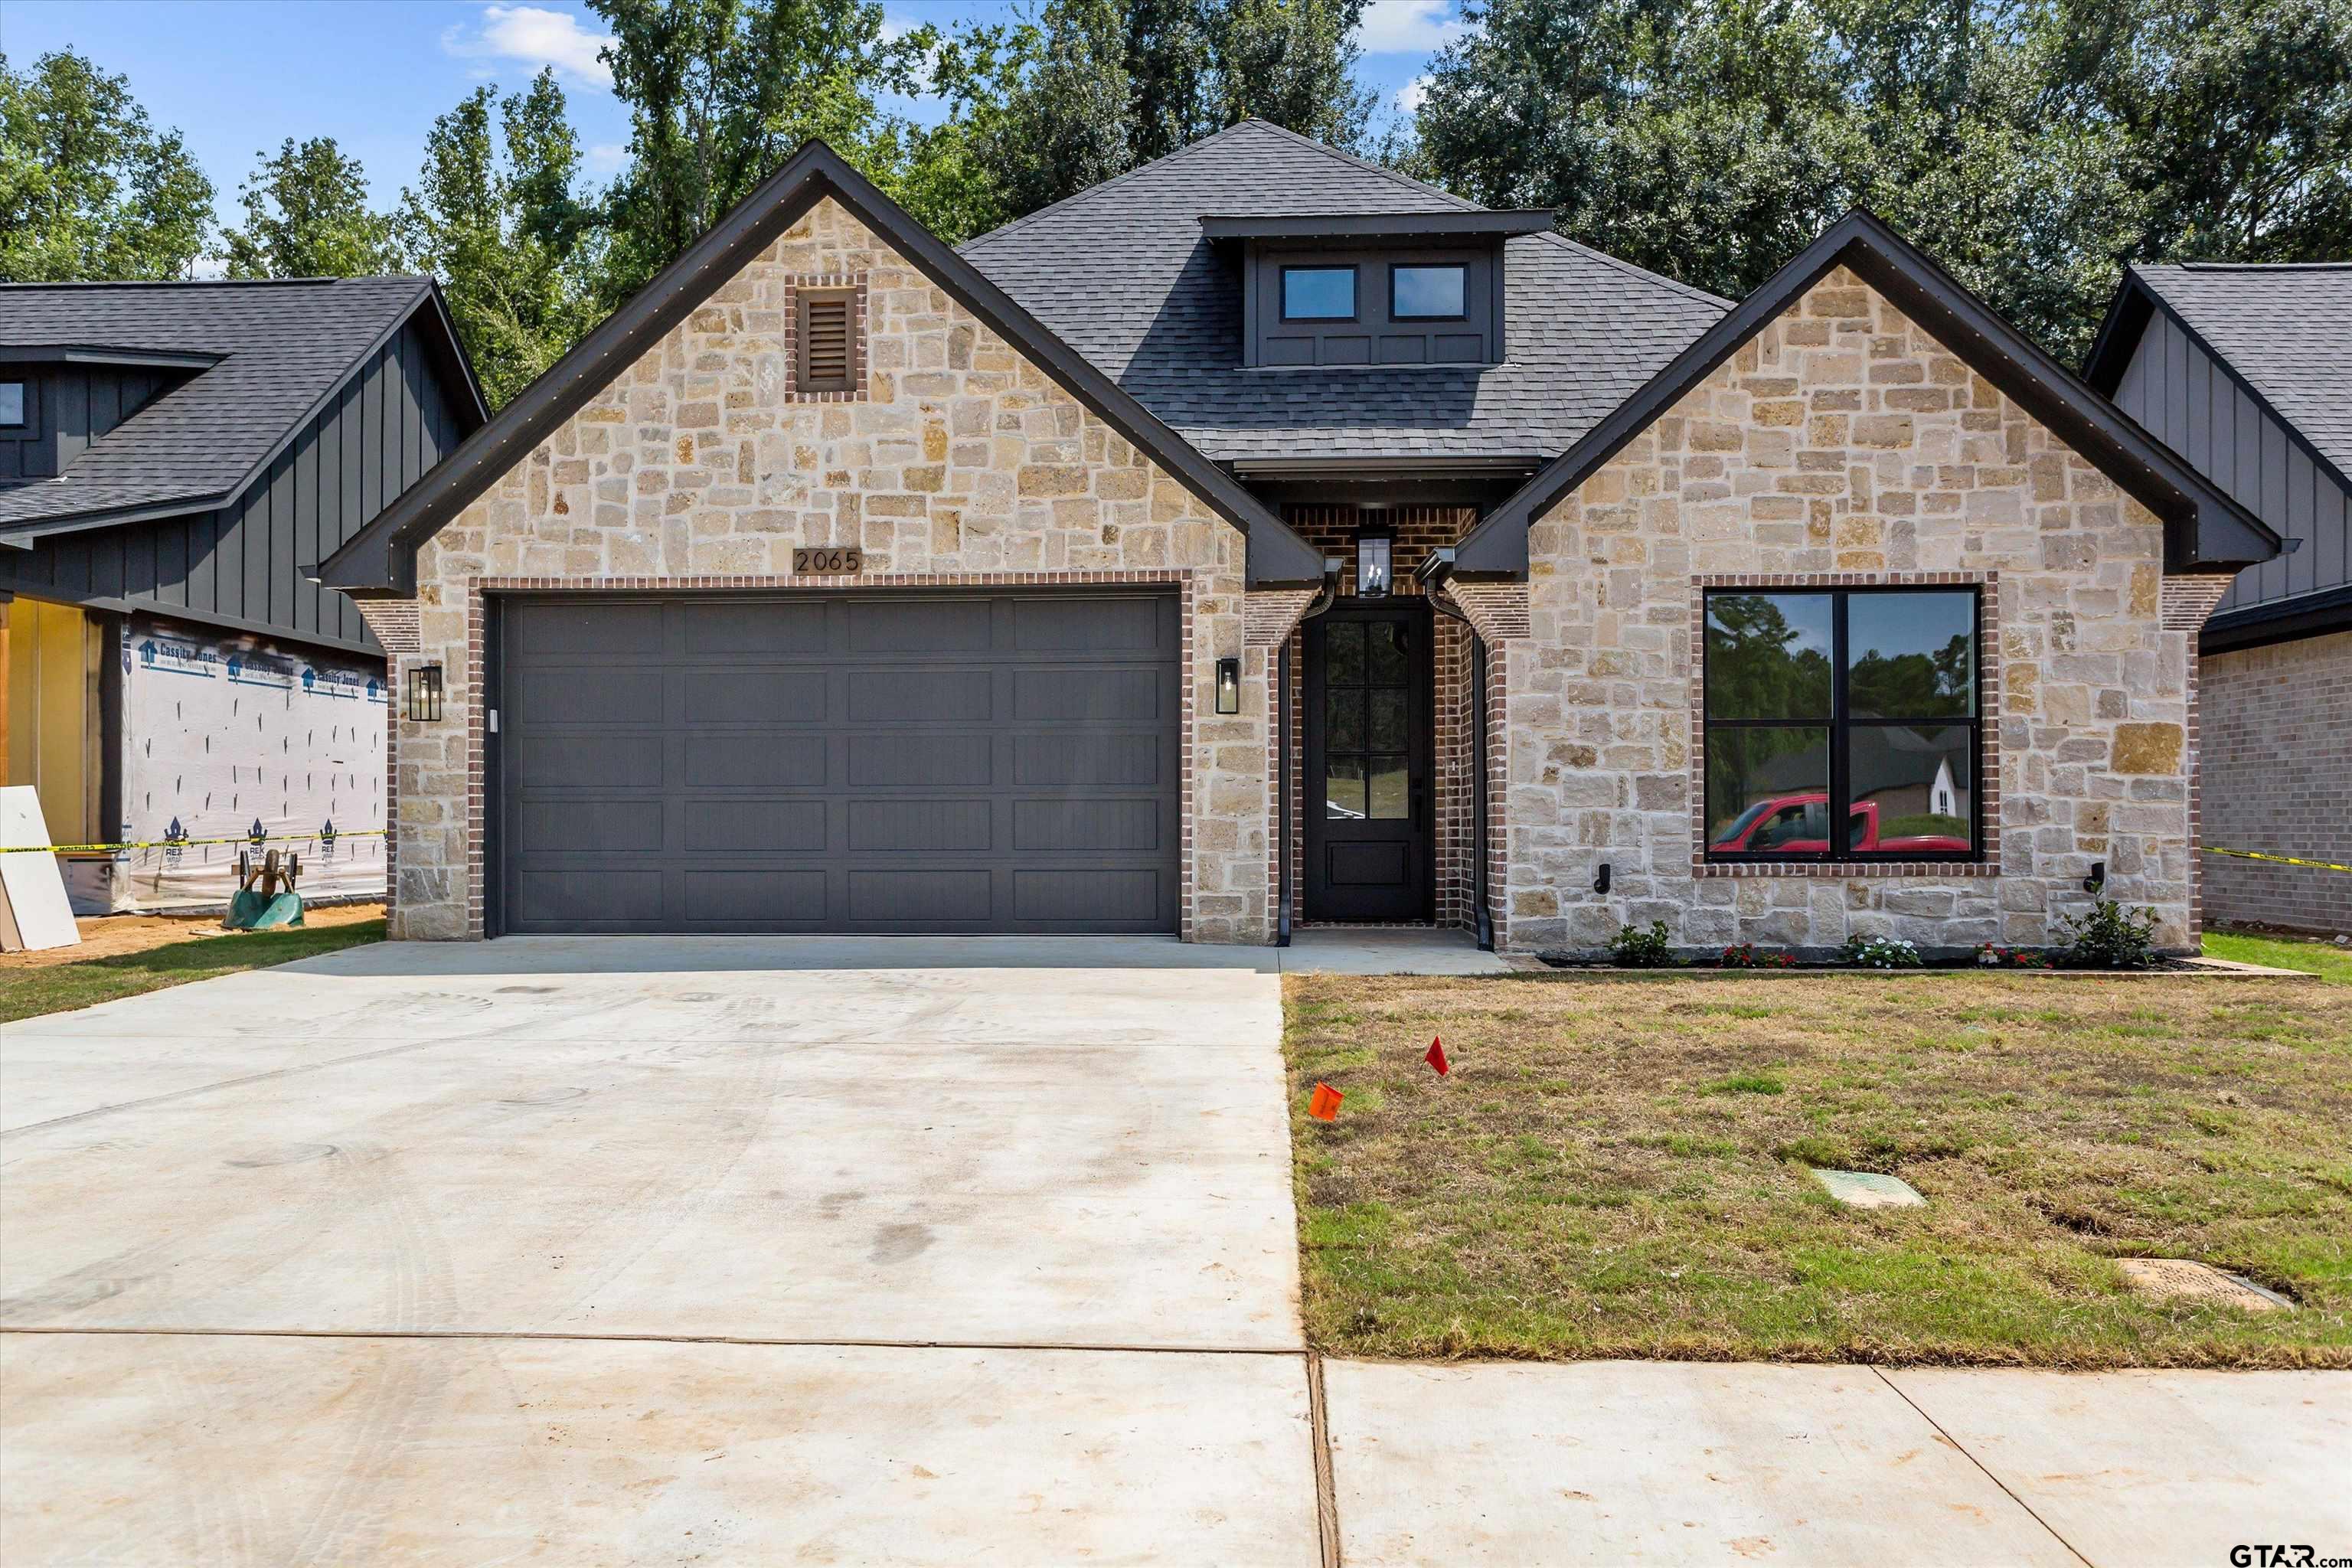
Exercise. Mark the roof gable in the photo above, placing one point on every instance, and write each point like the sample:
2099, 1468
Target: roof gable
264, 358
382, 558
2205, 529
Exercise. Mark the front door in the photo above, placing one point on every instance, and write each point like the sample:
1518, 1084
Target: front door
1367, 762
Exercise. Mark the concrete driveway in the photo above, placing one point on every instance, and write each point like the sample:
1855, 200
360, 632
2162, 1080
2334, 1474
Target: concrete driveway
646, 1250
540, 1242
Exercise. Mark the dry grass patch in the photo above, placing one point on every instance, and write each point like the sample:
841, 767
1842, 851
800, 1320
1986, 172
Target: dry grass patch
1618, 1166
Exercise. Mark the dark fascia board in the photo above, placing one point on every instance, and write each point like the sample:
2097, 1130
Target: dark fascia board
2128, 313
473, 412
2204, 529
2280, 620
1468, 223
381, 559
101, 354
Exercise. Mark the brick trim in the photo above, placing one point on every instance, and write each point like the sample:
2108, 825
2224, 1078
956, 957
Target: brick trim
829, 281
1989, 763
479, 589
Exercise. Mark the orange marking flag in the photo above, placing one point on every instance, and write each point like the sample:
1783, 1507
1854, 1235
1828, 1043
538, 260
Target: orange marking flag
1436, 1057
1324, 1104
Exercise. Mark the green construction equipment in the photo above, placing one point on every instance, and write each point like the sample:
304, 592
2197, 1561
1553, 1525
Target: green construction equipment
266, 895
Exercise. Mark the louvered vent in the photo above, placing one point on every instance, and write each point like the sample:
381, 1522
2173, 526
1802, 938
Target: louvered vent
828, 346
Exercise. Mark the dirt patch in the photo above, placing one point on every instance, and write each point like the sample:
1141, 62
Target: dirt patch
111, 936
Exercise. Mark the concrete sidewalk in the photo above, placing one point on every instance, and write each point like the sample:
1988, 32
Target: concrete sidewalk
744, 1249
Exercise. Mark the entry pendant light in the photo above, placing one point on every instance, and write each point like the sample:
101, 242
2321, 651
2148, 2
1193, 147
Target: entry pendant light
1229, 686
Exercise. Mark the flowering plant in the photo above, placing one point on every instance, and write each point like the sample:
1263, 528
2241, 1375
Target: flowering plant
1744, 956
1881, 952
1991, 957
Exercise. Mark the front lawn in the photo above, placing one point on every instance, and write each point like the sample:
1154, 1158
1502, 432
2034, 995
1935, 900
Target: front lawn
28, 992
1618, 1166
2310, 954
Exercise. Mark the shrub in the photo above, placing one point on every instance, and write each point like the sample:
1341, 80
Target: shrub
1881, 952
2109, 937
1747, 955
1632, 948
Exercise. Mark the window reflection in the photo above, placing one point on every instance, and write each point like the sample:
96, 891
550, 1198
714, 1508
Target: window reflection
1343, 789
1912, 789
1768, 790
1768, 656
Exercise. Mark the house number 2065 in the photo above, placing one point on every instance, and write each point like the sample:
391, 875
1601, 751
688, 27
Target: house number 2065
832, 559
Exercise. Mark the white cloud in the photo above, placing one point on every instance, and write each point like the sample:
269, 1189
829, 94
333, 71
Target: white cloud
1407, 27
534, 37
605, 157
1413, 94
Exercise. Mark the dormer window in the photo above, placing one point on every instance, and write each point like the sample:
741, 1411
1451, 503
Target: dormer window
1372, 288
12, 403
1318, 293
1429, 292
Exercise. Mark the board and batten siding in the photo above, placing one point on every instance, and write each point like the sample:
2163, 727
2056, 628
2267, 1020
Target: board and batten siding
2190, 401
67, 406
243, 565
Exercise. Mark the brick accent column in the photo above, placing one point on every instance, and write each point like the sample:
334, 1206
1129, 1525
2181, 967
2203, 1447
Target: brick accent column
2188, 604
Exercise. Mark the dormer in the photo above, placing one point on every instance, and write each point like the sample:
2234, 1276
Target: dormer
1372, 288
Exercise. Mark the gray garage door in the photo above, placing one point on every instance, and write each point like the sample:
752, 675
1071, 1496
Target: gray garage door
848, 764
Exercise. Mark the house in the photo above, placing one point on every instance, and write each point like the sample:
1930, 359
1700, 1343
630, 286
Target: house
175, 459
2242, 371
1263, 538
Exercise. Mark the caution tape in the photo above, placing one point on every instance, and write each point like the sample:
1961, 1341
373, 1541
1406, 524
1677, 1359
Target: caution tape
2279, 859
245, 838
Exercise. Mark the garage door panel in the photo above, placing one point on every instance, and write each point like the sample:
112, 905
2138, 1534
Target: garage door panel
566, 695
795, 695
938, 897
758, 628
839, 761
927, 760
912, 826
920, 697
755, 760
751, 898
722, 824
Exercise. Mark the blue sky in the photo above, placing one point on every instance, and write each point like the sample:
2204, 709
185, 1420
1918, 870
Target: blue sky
237, 77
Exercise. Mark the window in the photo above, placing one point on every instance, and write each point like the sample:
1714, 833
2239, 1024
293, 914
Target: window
1373, 555
826, 347
1318, 293
1366, 696
1435, 293
12, 403
1856, 706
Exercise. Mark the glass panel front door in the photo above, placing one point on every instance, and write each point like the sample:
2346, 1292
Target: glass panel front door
1367, 762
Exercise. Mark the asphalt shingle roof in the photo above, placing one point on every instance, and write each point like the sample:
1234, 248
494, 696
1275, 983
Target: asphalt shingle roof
1121, 273
286, 345
2286, 329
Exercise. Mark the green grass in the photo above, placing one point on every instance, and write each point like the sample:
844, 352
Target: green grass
1621, 1170
62, 987
2310, 956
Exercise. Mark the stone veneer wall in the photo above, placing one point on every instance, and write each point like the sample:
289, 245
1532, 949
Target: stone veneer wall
2278, 779
959, 462
1844, 440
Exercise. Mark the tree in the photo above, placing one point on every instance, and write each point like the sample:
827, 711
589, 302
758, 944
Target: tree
1292, 62
306, 215
503, 231
721, 92
1066, 125
90, 191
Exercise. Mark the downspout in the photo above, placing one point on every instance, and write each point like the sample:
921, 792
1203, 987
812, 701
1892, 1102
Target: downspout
1432, 573
1324, 599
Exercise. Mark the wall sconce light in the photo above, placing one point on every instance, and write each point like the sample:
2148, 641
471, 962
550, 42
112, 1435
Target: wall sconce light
1229, 686
425, 694
1375, 558
2098, 878
1600, 881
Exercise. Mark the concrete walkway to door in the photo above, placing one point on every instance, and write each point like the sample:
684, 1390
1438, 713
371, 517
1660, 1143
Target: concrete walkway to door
656, 1249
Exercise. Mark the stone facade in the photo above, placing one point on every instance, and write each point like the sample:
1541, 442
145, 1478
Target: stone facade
1845, 446
2277, 747
959, 462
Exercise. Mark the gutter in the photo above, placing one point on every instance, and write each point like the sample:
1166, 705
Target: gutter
1325, 597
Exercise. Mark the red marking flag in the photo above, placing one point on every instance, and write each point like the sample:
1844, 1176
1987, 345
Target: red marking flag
1324, 1104
1436, 1057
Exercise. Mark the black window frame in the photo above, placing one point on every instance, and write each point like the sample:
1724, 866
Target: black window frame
1355, 289
1463, 267
1839, 726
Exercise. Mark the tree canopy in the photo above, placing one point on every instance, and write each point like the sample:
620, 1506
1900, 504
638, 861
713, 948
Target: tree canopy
88, 189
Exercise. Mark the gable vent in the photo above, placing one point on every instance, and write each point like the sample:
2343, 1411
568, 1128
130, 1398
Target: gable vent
827, 334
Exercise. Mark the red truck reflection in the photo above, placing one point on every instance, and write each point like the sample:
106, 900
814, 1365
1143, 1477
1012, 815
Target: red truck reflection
1799, 824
